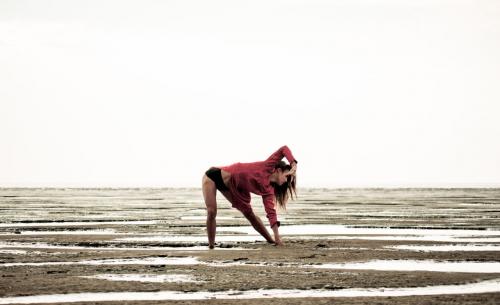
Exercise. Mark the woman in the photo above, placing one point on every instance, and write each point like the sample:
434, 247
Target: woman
273, 179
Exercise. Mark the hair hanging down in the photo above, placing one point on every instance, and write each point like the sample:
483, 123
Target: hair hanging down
281, 191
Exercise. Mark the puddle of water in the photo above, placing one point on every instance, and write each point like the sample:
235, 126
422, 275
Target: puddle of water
72, 232
147, 278
126, 261
344, 230
417, 265
382, 265
410, 238
77, 223
479, 287
432, 248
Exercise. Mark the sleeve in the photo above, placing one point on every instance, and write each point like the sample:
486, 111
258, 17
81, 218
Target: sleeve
283, 151
270, 209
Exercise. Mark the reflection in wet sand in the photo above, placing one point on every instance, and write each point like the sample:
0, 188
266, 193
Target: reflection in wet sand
418, 265
326, 229
480, 287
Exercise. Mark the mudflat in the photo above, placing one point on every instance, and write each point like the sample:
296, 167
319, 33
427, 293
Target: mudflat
148, 246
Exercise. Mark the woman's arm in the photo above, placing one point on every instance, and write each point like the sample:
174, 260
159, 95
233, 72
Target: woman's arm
269, 207
283, 151
258, 225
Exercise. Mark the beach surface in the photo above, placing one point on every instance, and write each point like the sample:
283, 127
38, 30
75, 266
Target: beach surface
349, 246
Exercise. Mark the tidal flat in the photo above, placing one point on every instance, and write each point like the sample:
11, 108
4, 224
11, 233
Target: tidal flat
149, 246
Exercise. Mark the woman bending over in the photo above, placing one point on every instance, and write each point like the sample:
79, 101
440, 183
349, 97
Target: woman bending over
273, 179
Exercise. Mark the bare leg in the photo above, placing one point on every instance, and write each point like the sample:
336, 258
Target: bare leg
258, 226
209, 194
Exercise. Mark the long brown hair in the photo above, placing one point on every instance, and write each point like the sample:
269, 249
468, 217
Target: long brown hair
281, 191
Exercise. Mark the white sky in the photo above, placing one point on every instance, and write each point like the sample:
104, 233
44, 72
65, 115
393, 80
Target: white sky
151, 93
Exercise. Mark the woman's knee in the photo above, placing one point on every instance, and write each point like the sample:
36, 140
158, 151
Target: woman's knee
211, 212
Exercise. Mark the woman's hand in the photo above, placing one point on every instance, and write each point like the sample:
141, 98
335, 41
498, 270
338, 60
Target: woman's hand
279, 243
277, 237
293, 170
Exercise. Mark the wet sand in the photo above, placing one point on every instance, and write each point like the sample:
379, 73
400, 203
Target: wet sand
70, 241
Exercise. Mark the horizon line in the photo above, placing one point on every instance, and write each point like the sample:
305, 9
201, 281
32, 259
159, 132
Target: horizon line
437, 186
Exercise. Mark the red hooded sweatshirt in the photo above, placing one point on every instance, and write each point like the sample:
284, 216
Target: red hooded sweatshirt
253, 177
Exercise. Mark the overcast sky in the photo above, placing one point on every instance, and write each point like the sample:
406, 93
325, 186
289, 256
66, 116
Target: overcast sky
152, 93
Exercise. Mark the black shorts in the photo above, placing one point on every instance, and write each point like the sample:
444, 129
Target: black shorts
214, 173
